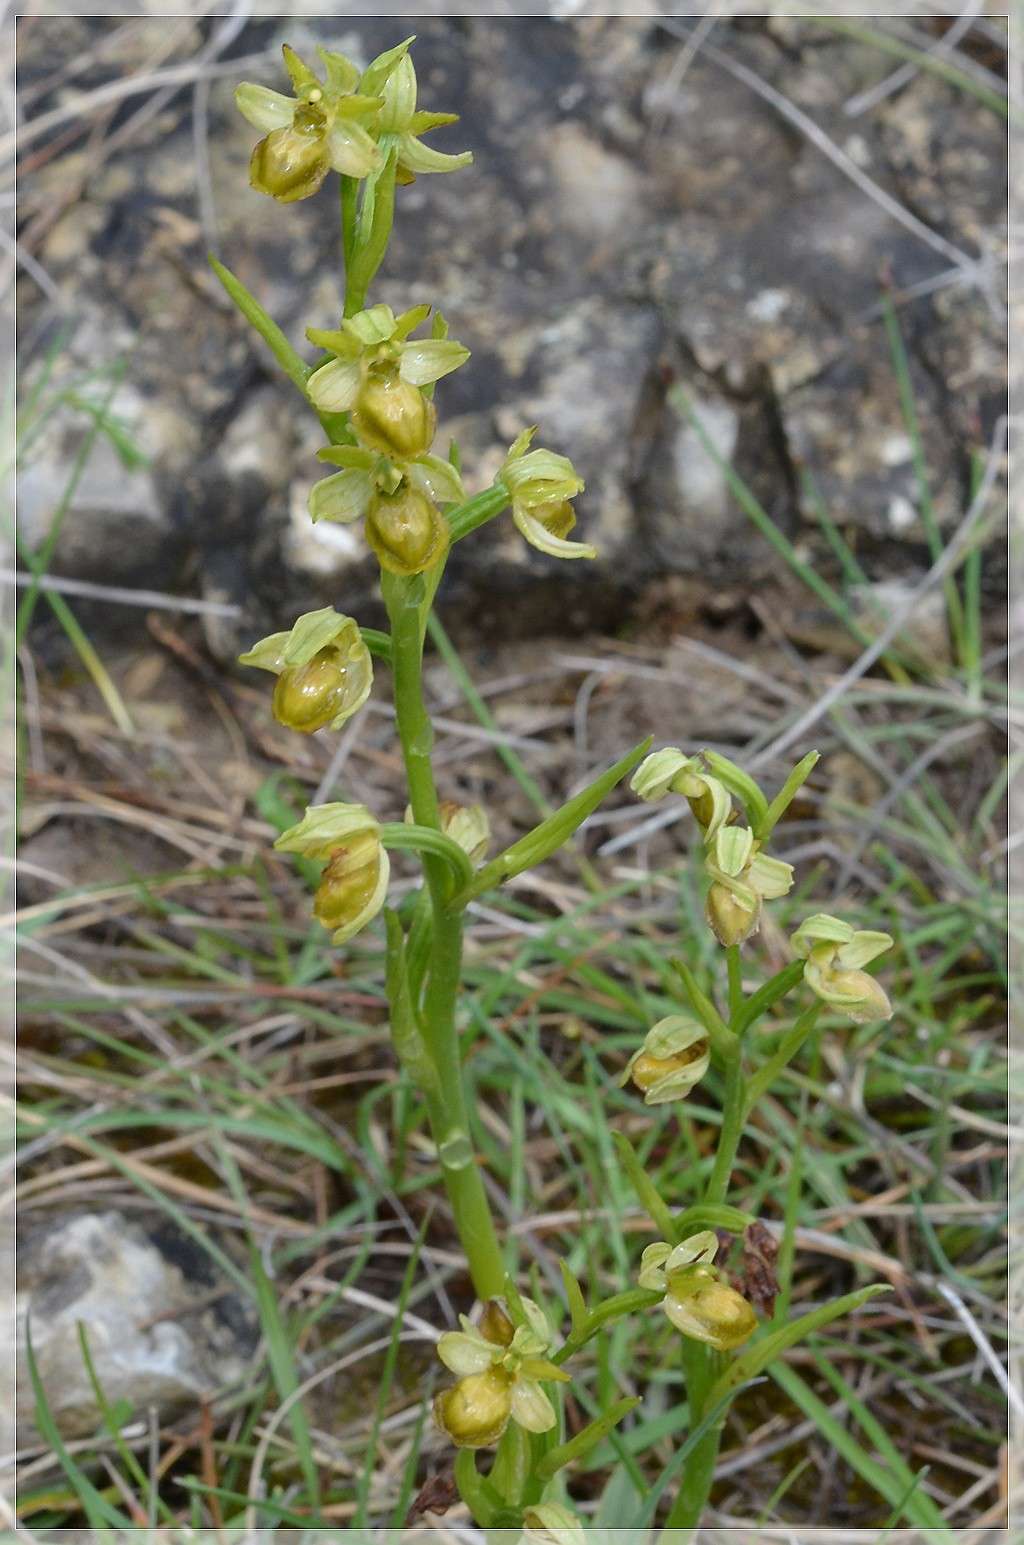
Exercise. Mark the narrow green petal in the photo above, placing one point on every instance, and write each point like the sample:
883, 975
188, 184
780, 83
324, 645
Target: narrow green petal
411, 319
422, 123
302, 77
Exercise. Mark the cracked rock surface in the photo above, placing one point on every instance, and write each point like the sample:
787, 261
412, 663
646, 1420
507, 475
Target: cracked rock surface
653, 258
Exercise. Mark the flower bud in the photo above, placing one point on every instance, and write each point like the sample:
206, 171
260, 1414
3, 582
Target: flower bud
350, 890
291, 163
474, 1412
391, 416
706, 1309
406, 531
730, 918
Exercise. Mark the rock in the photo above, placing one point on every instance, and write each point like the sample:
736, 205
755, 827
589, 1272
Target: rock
162, 1328
622, 216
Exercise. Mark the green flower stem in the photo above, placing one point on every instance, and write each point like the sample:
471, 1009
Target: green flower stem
733, 1111
735, 971
447, 1111
790, 1045
765, 997
700, 1365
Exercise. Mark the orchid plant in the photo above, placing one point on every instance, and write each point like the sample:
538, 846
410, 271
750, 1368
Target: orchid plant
372, 388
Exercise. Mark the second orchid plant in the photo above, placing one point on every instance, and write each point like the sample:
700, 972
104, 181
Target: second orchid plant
372, 386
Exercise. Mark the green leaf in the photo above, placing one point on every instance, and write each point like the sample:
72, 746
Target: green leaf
549, 836
770, 1346
100, 1513
918, 1507
291, 363
555, 1459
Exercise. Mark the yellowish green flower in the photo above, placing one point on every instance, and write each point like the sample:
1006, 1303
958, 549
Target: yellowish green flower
500, 1368
323, 669
697, 1301
354, 882
400, 123
742, 878
323, 127
541, 484
375, 358
669, 771
673, 1058
835, 954
398, 501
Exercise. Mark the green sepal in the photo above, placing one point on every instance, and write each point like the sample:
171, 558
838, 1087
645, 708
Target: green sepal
405, 1031
788, 792
584, 1441
770, 1346
742, 785
574, 1298
551, 834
